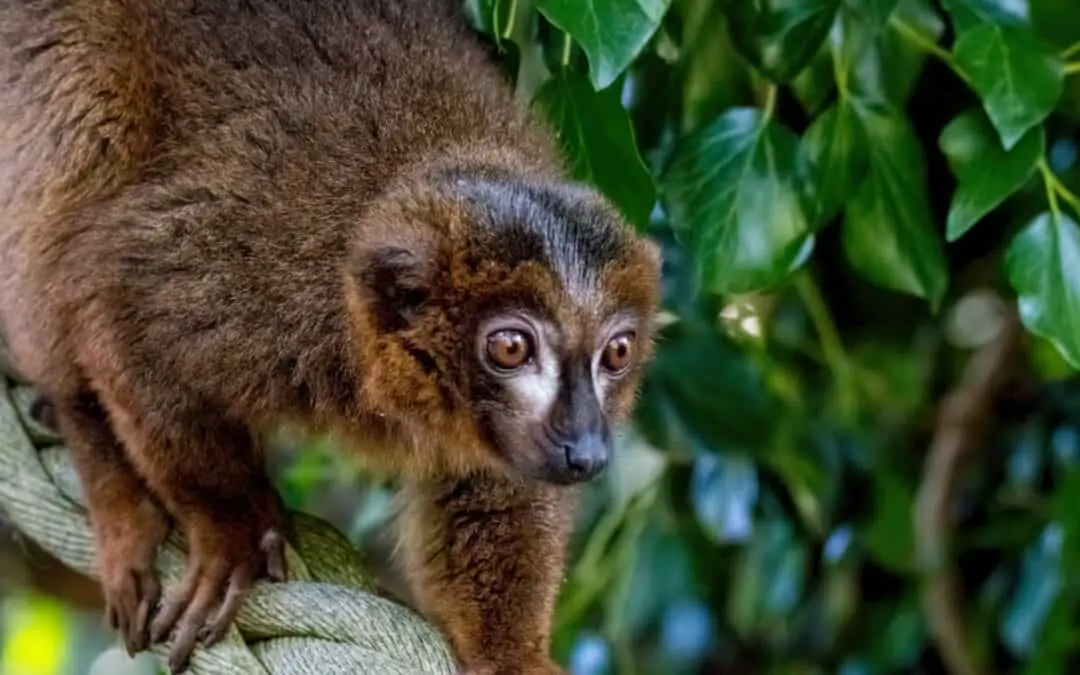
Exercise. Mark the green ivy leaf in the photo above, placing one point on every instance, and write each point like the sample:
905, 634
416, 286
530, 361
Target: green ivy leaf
714, 77
1018, 77
1043, 264
702, 392
598, 140
968, 13
612, 32
780, 36
987, 173
888, 229
876, 57
814, 85
858, 26
835, 146
735, 189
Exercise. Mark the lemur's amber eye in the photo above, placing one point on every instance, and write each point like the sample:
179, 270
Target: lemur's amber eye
619, 353
509, 349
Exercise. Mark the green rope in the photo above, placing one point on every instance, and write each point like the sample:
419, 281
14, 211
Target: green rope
326, 619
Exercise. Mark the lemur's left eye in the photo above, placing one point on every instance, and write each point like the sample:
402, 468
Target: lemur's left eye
509, 349
618, 353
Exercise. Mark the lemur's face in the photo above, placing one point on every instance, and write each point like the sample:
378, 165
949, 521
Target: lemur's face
551, 388
560, 341
512, 320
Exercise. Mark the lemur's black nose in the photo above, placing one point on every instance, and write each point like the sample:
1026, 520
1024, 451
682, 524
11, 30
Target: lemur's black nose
586, 456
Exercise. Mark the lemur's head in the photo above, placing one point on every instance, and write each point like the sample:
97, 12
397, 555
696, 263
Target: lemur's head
509, 314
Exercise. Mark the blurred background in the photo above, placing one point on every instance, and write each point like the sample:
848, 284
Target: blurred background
858, 449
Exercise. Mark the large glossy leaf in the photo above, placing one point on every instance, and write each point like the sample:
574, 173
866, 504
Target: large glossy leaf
855, 32
877, 58
1043, 264
780, 36
714, 76
702, 392
967, 13
987, 173
736, 193
836, 148
612, 32
598, 141
888, 230
873, 12
1018, 77
814, 85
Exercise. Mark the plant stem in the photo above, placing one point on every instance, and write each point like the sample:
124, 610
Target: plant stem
932, 48
1055, 189
1049, 179
831, 346
1072, 68
567, 45
770, 101
511, 18
1071, 50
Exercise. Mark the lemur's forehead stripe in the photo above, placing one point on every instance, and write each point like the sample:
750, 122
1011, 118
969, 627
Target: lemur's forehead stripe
563, 226
583, 266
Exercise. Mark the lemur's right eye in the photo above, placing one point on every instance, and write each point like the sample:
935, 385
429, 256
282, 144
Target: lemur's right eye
509, 349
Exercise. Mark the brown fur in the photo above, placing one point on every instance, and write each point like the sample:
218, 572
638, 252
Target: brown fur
200, 202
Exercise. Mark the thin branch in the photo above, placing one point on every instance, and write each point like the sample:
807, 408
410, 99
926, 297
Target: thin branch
832, 347
965, 416
770, 101
1056, 189
928, 46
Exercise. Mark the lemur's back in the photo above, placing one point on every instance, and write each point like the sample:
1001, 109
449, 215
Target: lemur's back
96, 95
91, 90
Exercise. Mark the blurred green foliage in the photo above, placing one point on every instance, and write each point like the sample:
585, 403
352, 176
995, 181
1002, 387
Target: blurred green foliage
851, 196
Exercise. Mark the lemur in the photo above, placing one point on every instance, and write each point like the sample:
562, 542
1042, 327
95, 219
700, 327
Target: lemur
219, 216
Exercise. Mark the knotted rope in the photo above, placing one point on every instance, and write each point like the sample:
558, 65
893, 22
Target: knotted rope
325, 620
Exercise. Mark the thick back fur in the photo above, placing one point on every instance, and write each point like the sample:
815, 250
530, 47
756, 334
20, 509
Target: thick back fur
291, 112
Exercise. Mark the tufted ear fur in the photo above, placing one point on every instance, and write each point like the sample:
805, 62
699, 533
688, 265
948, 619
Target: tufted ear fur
395, 275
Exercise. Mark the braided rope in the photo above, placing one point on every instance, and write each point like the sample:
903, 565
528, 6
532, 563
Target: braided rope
324, 620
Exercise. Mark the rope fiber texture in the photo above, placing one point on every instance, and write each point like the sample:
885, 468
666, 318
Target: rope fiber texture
326, 619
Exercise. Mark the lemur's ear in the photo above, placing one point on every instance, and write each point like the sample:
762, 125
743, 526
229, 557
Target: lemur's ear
395, 272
